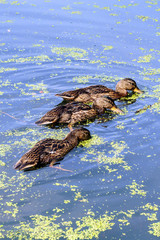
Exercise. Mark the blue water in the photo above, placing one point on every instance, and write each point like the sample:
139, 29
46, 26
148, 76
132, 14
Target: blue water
48, 47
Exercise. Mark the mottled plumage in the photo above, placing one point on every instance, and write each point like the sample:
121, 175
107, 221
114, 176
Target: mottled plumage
50, 151
87, 94
75, 112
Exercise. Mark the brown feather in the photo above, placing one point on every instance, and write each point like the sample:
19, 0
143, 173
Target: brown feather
87, 94
49, 151
76, 112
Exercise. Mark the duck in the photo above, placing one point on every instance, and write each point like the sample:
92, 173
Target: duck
87, 94
50, 151
77, 112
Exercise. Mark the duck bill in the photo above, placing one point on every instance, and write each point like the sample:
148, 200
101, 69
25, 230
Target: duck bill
137, 90
116, 110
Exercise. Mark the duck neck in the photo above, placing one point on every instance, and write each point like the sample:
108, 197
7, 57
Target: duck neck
72, 139
98, 109
123, 92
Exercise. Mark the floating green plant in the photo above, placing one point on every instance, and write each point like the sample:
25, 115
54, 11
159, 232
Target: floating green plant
37, 87
4, 148
75, 53
103, 8
150, 216
144, 59
44, 227
102, 64
136, 189
3, 2
95, 140
1, 231
152, 2
97, 78
151, 71
145, 18
125, 6
36, 90
66, 8
105, 47
87, 227
113, 158
2, 69
13, 209
149, 206
37, 45
76, 12
2, 163
155, 229
120, 126
79, 197
67, 201
21, 182
16, 59
82, 79
12, 186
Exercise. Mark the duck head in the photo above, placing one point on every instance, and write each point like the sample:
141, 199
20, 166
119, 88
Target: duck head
25, 163
127, 84
80, 133
103, 103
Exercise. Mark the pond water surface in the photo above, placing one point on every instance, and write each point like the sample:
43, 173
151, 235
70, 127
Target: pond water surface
113, 191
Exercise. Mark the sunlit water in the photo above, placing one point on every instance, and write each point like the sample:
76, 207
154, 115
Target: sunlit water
113, 191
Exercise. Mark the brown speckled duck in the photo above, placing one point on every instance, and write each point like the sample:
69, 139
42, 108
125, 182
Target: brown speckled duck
50, 151
87, 94
76, 112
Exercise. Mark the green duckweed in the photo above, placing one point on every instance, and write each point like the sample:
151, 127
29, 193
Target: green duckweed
136, 189
155, 229
44, 227
75, 53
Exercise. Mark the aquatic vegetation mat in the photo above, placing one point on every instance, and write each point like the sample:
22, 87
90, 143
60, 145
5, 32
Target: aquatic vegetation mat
111, 189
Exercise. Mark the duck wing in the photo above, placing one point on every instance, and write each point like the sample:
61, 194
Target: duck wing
71, 95
80, 112
95, 88
61, 114
31, 158
87, 93
99, 91
41, 154
51, 116
76, 107
70, 110
55, 150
